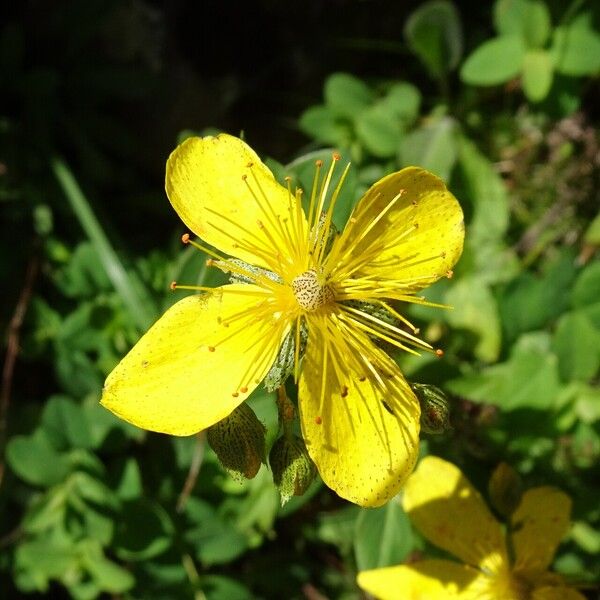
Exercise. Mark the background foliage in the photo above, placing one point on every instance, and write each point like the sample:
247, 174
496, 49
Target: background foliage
498, 100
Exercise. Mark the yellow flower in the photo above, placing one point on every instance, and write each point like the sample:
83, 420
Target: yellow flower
450, 513
208, 352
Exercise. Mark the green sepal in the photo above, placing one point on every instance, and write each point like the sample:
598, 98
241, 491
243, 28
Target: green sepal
293, 469
505, 489
239, 442
435, 408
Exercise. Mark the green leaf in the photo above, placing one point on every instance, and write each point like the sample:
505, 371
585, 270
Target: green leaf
47, 558
475, 309
592, 233
320, 123
576, 342
218, 587
496, 61
529, 302
529, 379
144, 530
434, 33
433, 147
65, 424
379, 130
404, 101
538, 70
34, 459
214, 540
130, 288
529, 19
586, 290
109, 576
576, 50
346, 95
383, 537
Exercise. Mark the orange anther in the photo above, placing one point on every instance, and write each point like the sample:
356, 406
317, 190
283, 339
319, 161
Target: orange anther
235, 394
449, 274
319, 163
185, 238
336, 156
439, 352
344, 391
211, 348
244, 389
318, 420
244, 177
287, 178
173, 285
210, 262
250, 164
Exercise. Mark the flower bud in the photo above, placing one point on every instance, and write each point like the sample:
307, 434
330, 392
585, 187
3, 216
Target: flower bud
505, 489
435, 408
293, 470
239, 442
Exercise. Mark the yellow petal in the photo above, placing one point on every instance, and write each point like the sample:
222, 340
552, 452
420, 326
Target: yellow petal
222, 199
425, 580
451, 514
417, 239
192, 368
539, 523
556, 593
362, 451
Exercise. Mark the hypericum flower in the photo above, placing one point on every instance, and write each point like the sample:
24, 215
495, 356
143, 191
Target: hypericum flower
302, 295
450, 513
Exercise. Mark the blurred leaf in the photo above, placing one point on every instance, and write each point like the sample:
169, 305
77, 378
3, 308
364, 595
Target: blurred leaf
538, 70
585, 537
339, 528
433, 147
320, 123
529, 19
130, 288
529, 302
592, 233
346, 95
35, 460
587, 404
217, 587
576, 342
404, 100
109, 576
383, 537
65, 424
215, 541
434, 33
487, 192
496, 61
529, 379
576, 49
475, 309
129, 486
379, 130
586, 288
45, 558
144, 530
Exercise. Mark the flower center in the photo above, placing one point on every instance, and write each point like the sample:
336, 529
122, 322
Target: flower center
310, 293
